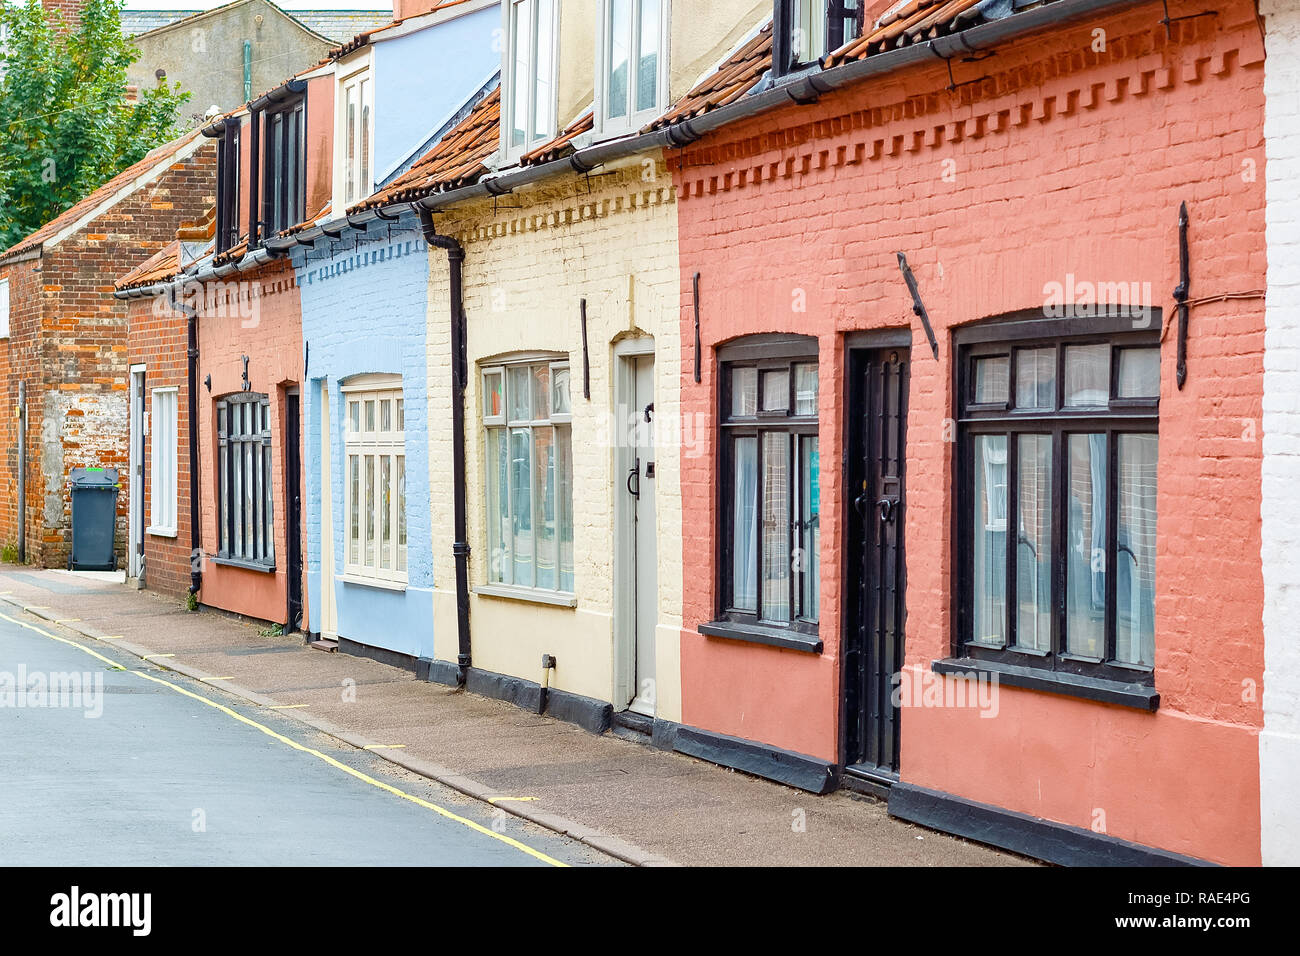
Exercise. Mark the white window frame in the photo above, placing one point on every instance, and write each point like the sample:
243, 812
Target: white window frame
370, 446
498, 581
4, 308
163, 425
634, 119
356, 73
512, 151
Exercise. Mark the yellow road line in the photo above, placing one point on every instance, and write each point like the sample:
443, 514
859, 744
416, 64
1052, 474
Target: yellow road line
287, 706
219, 678
152, 657
115, 637
496, 800
68, 620
384, 747
338, 765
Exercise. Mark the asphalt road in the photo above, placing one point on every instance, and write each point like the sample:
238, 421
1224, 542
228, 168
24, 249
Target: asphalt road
142, 773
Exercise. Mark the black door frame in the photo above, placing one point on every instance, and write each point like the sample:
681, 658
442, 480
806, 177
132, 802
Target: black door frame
859, 349
293, 507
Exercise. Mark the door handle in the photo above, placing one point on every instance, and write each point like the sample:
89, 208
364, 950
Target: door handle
634, 473
887, 506
860, 504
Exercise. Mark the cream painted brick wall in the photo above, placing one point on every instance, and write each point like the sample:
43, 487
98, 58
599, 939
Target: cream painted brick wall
1279, 742
529, 261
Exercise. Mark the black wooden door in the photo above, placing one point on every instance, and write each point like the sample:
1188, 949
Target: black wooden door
293, 509
875, 598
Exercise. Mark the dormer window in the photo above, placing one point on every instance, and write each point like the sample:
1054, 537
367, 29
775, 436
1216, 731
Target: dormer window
355, 137
806, 30
632, 61
283, 165
528, 75
228, 181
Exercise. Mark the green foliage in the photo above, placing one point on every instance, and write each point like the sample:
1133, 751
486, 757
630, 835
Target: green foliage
9, 554
66, 126
271, 630
191, 601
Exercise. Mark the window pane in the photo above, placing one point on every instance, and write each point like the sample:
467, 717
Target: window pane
1139, 373
992, 380
493, 399
401, 415
1087, 375
744, 392
809, 528
776, 526
401, 512
386, 415
620, 28
350, 140
1034, 542
543, 52
1085, 583
370, 416
1135, 564
541, 377
647, 81
354, 510
521, 31
560, 392
518, 392
989, 584
363, 181
498, 516
810, 30
385, 511
368, 467
564, 496
354, 416
1035, 378
776, 390
544, 507
744, 589
805, 389
521, 505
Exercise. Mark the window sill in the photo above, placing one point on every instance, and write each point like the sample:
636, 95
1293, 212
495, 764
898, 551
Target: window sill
1137, 696
362, 581
757, 634
528, 595
240, 563
161, 532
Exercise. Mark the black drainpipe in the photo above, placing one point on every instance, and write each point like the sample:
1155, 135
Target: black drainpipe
192, 409
459, 373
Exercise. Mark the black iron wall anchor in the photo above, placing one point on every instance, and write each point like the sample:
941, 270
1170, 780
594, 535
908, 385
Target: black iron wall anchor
243, 382
695, 284
917, 305
1181, 294
586, 359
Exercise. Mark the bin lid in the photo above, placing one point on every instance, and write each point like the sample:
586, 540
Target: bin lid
93, 477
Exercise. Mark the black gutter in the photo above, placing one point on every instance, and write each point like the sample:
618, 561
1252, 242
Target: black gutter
459, 373
192, 410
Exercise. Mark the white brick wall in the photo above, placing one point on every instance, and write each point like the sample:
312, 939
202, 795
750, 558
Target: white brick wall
1279, 742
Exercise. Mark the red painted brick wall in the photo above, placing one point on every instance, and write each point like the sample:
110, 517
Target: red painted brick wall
1048, 158
156, 339
69, 340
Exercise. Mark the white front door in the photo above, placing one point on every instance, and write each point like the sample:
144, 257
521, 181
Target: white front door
136, 477
328, 607
638, 578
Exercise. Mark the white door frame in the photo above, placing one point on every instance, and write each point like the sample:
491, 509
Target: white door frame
625, 645
328, 600
135, 473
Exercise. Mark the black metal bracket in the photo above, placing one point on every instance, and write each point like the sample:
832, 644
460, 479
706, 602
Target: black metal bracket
243, 382
586, 358
1182, 292
1167, 19
695, 284
918, 306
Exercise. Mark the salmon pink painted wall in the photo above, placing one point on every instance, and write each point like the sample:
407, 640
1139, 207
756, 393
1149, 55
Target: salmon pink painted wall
268, 329
1050, 158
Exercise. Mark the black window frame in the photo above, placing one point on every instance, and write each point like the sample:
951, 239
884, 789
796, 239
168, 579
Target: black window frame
228, 185
765, 353
1005, 336
844, 21
283, 193
260, 555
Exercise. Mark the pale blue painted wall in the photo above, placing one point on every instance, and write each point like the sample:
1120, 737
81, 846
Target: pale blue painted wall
423, 78
365, 311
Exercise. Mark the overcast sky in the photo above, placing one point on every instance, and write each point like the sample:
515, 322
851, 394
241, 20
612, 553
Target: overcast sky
285, 5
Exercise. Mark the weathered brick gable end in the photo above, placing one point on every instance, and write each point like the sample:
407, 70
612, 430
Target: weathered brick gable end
68, 341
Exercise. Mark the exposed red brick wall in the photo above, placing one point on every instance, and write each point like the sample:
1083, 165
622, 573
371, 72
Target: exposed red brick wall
69, 341
70, 9
19, 364
156, 339
1048, 158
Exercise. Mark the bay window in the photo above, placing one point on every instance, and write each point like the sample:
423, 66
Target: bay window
770, 500
245, 530
529, 458
631, 83
528, 78
374, 493
1057, 496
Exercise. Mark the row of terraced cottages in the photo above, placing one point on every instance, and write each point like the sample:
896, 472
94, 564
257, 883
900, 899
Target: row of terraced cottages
517, 362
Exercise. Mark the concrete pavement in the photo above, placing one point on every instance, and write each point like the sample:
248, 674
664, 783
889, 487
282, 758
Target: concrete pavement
625, 799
